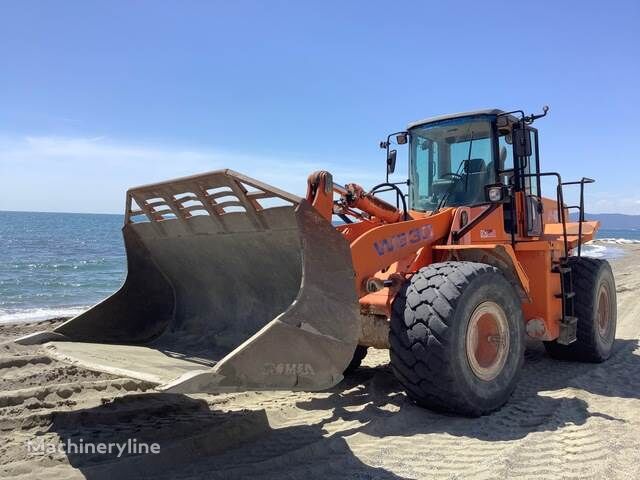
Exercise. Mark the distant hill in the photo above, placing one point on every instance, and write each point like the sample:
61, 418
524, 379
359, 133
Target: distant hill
613, 221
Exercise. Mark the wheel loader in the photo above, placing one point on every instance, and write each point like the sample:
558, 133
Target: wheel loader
236, 285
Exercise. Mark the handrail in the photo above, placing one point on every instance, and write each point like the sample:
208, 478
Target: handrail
581, 182
568, 310
560, 202
561, 206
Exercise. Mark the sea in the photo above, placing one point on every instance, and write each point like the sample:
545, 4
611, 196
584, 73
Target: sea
59, 264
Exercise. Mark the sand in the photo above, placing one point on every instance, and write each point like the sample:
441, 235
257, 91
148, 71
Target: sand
565, 420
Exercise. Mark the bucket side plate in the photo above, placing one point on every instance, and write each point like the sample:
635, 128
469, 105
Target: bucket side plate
223, 292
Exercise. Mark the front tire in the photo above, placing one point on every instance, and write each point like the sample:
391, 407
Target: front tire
595, 306
457, 338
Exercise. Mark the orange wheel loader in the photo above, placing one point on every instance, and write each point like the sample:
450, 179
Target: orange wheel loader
236, 285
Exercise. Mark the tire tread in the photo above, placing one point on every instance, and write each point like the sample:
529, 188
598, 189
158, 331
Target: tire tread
586, 272
426, 378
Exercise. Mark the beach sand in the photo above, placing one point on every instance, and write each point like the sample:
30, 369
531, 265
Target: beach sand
565, 420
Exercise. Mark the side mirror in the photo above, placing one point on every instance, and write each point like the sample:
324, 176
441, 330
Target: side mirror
522, 141
391, 161
401, 139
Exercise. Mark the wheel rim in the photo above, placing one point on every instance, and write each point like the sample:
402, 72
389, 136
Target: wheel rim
604, 311
487, 340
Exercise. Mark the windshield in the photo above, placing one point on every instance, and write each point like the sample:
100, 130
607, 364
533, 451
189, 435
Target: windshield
450, 163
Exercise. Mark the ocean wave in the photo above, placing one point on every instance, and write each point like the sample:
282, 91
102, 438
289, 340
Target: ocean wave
596, 250
37, 314
593, 250
617, 241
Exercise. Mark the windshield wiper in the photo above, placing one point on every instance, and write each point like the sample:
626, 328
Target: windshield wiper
465, 163
446, 194
466, 179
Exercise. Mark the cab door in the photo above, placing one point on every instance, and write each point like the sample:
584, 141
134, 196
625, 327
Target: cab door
529, 183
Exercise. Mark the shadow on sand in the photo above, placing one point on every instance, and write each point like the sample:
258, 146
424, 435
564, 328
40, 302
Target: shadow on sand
198, 441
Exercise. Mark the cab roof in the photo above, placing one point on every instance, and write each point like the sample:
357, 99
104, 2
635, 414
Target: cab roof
486, 111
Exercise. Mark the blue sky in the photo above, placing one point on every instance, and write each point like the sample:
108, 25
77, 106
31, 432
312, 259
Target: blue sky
97, 96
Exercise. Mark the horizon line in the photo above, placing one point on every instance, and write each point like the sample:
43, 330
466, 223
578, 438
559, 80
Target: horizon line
61, 213
122, 214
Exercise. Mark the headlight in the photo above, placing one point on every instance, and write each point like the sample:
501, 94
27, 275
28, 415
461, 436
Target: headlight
497, 193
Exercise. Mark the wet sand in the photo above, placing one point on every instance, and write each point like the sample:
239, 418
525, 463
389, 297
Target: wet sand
565, 420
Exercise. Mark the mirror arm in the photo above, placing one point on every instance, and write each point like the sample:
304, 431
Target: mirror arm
385, 145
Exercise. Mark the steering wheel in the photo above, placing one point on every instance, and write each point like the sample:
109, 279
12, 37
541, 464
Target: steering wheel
455, 176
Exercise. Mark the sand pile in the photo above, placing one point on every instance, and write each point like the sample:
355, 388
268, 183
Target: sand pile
565, 420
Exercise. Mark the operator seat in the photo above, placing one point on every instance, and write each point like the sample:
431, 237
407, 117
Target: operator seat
475, 166
476, 173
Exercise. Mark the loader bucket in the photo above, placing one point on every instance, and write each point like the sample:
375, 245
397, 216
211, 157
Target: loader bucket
225, 291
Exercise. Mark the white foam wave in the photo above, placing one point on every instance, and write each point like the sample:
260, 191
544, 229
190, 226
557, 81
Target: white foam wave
594, 251
597, 250
37, 314
617, 241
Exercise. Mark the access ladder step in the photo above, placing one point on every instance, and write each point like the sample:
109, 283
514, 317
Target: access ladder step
568, 328
561, 269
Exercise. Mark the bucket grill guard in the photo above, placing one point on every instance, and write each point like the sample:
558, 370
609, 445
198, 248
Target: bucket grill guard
231, 285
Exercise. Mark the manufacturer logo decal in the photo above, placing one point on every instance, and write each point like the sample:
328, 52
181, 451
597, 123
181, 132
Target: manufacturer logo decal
299, 369
401, 240
489, 233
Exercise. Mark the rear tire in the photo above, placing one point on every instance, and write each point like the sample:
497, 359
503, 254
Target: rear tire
457, 338
358, 356
596, 309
